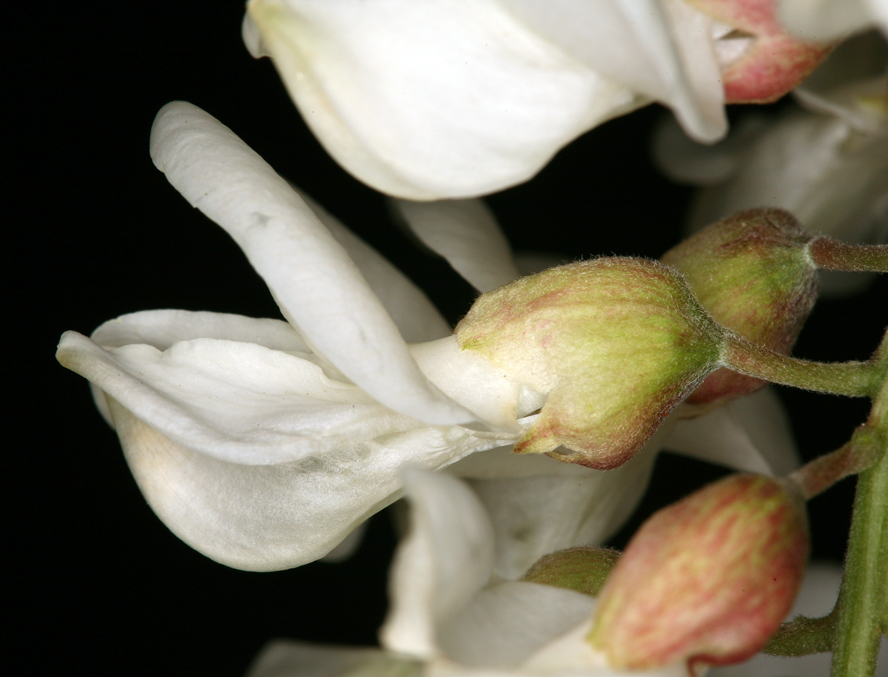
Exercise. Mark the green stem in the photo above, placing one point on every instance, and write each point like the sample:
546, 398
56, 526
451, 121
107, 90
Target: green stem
863, 601
854, 379
831, 254
802, 636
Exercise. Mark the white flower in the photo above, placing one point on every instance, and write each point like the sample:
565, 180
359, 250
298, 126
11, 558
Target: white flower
831, 19
825, 161
264, 443
458, 98
452, 615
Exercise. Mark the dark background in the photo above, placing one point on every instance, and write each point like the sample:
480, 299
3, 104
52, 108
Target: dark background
99, 584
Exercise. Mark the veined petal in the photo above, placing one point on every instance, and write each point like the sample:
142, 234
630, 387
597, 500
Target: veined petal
443, 562
409, 307
317, 286
300, 659
466, 234
432, 100
271, 517
238, 402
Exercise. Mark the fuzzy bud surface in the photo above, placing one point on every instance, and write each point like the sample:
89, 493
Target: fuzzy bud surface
616, 343
707, 580
751, 271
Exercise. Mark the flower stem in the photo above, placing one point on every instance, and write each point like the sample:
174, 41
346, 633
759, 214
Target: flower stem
855, 379
830, 254
863, 601
802, 636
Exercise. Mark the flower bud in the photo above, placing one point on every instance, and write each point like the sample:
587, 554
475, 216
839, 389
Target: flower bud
616, 343
752, 272
706, 580
582, 569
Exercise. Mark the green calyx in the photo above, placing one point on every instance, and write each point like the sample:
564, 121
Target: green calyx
616, 343
753, 273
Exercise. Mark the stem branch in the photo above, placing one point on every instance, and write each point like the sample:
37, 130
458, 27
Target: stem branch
830, 254
854, 379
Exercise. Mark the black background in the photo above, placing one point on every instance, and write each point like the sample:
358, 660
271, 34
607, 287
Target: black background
95, 231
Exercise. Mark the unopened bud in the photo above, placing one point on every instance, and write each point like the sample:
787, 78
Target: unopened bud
706, 580
582, 569
751, 271
616, 343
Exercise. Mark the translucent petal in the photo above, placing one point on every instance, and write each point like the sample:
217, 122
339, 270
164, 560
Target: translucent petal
270, 517
466, 233
751, 434
317, 286
506, 623
556, 505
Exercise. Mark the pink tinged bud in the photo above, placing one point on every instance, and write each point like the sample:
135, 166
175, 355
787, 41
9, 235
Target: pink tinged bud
616, 343
706, 580
752, 272
775, 62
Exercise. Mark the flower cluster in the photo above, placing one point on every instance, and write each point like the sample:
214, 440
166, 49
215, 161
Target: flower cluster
525, 436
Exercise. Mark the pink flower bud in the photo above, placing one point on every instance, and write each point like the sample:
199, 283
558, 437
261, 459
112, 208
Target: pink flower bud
752, 272
616, 343
706, 580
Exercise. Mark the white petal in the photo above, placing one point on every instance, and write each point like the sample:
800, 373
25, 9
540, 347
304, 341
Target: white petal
659, 48
430, 100
409, 307
239, 402
317, 286
271, 517
751, 434
565, 507
470, 379
442, 563
466, 233
163, 328
504, 624
825, 20
299, 659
